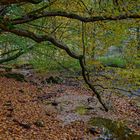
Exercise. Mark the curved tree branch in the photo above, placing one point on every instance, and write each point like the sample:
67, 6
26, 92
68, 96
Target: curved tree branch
31, 17
40, 38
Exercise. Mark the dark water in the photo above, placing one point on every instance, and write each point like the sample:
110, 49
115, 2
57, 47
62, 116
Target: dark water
112, 130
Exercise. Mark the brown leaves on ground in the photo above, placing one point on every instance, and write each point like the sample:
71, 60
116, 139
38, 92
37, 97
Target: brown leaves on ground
20, 109
23, 116
126, 110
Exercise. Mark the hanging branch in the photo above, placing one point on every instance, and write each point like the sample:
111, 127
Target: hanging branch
85, 72
88, 82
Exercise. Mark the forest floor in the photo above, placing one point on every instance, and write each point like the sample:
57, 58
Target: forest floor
58, 111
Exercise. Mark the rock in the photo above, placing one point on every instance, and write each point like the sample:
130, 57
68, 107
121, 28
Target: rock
16, 76
60, 90
51, 110
54, 103
8, 69
47, 96
5, 68
10, 109
21, 91
10, 130
39, 89
8, 103
47, 113
33, 82
39, 123
25, 125
43, 82
105, 139
91, 99
24, 66
9, 115
94, 131
137, 104
90, 108
54, 80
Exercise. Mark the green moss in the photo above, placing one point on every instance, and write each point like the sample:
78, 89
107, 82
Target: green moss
81, 110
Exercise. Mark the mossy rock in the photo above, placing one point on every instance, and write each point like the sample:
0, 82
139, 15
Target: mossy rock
118, 129
39, 123
16, 76
8, 69
54, 80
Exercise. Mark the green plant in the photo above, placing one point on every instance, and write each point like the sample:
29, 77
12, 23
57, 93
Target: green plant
113, 62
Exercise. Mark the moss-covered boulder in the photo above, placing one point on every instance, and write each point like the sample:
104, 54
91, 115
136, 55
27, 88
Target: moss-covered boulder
16, 76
